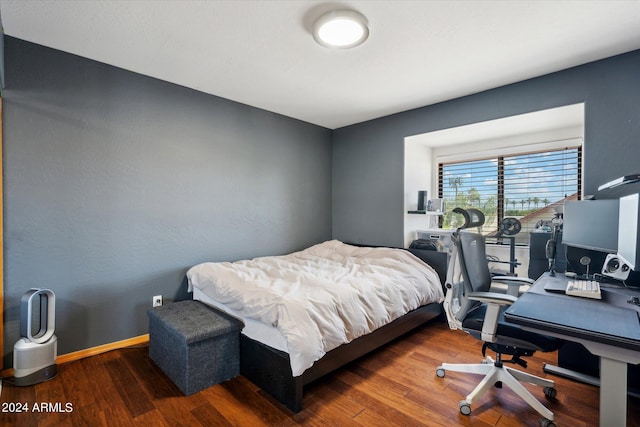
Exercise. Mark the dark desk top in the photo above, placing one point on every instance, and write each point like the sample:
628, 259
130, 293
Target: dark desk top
610, 321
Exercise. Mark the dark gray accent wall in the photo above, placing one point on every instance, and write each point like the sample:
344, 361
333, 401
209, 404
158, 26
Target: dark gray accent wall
1, 59
1, 55
368, 158
116, 183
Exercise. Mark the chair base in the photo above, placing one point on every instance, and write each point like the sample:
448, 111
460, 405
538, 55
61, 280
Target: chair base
508, 376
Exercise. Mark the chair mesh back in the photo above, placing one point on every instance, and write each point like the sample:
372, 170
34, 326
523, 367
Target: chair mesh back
474, 267
473, 262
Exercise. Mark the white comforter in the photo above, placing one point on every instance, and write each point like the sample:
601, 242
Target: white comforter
323, 296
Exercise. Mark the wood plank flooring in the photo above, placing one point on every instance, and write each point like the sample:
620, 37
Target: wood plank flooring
395, 386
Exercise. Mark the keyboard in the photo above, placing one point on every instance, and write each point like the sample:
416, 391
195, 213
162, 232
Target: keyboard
584, 288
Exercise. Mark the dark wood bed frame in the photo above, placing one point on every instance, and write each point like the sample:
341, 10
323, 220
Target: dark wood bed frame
270, 369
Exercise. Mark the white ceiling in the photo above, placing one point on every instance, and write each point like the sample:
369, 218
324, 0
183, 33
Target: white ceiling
262, 53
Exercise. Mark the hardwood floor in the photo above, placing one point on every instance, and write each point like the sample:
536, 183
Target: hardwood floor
395, 386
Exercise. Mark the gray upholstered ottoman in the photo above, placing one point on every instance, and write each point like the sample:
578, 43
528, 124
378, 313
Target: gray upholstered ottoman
194, 344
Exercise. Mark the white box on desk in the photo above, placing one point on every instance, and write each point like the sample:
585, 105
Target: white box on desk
439, 236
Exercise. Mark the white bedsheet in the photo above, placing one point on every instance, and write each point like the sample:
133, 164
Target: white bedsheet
323, 296
254, 329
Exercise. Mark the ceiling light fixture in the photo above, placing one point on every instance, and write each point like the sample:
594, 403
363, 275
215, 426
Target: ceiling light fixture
341, 29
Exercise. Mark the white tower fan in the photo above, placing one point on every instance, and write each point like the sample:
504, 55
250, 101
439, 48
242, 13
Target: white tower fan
34, 355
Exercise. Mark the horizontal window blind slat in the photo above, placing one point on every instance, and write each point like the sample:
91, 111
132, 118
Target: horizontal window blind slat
520, 185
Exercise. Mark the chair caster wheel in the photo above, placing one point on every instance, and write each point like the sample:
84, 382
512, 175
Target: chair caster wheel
498, 384
465, 408
440, 372
546, 423
550, 392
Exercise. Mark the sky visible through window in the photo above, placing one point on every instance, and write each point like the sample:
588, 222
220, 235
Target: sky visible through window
530, 182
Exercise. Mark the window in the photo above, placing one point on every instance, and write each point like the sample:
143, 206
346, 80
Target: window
526, 186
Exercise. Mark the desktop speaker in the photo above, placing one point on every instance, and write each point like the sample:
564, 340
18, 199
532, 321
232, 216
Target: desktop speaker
422, 200
616, 267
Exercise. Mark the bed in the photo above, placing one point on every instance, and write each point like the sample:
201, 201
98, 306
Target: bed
312, 311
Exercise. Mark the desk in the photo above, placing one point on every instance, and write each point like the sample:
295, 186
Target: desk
608, 328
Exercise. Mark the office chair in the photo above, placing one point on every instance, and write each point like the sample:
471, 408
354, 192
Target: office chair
471, 307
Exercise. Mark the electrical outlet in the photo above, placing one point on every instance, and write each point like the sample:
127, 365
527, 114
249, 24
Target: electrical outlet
157, 300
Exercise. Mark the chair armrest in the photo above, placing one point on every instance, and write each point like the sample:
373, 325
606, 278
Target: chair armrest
513, 279
493, 300
513, 283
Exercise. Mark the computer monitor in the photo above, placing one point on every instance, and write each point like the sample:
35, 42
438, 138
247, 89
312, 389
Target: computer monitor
591, 225
589, 234
628, 236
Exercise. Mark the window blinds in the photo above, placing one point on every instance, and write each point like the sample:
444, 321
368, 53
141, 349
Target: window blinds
525, 186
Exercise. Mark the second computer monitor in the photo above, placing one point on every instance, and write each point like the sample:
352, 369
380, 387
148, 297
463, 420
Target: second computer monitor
628, 230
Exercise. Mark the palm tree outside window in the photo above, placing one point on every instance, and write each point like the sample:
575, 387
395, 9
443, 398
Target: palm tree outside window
526, 186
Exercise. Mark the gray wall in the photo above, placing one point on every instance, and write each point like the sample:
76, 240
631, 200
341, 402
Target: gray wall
1, 55
368, 158
115, 184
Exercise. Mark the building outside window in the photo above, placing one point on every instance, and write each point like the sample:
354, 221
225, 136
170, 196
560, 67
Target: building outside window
529, 187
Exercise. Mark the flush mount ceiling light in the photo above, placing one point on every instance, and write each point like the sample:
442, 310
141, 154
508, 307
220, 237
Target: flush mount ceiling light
341, 29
